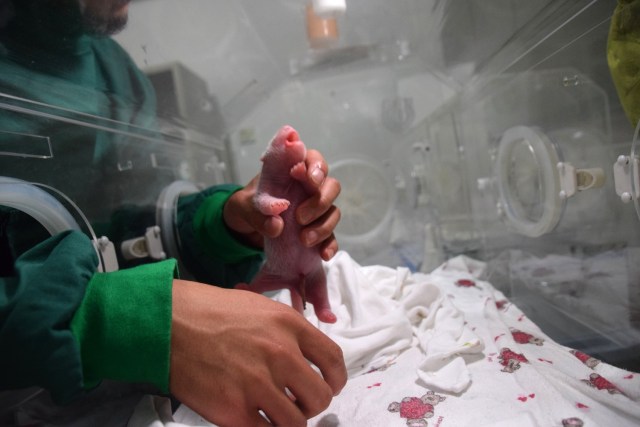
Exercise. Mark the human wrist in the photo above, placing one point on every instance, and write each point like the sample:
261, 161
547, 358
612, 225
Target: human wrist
215, 225
123, 325
240, 229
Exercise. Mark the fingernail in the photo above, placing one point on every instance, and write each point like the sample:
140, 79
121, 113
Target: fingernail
305, 217
330, 253
311, 238
317, 176
271, 226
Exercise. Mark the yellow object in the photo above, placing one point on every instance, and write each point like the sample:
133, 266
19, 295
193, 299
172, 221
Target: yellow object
623, 56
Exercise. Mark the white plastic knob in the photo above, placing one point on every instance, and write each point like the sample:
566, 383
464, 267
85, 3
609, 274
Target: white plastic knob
326, 8
623, 160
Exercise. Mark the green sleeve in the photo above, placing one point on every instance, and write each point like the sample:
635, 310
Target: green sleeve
37, 303
209, 251
123, 325
623, 56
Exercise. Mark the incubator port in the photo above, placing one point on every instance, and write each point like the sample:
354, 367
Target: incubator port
527, 181
34, 201
166, 215
37, 203
540, 177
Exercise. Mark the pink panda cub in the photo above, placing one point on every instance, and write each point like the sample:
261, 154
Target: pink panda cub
289, 264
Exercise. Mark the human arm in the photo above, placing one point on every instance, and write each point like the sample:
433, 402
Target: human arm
37, 303
210, 251
228, 364
82, 327
213, 348
64, 327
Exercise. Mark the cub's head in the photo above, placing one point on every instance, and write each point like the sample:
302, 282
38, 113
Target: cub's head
285, 149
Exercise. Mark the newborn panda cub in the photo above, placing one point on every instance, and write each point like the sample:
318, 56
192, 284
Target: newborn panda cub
289, 264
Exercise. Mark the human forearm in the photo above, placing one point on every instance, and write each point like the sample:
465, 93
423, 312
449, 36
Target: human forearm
36, 307
123, 325
210, 250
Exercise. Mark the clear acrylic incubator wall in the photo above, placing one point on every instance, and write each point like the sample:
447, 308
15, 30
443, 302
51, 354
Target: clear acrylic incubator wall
79, 157
491, 129
533, 168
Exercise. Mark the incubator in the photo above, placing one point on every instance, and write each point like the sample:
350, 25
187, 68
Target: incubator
491, 130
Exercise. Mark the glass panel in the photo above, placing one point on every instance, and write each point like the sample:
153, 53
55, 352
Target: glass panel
424, 90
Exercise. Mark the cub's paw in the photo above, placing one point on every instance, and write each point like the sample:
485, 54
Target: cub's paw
268, 205
299, 171
276, 207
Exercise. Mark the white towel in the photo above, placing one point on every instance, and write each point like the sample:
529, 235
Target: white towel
155, 411
449, 349
383, 311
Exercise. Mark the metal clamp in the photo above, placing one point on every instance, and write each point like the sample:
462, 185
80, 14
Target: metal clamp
625, 173
573, 179
107, 253
149, 245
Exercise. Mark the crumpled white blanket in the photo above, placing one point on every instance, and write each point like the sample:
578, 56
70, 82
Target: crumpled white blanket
447, 349
383, 312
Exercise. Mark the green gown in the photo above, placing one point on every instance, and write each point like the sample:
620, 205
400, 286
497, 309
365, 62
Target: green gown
63, 326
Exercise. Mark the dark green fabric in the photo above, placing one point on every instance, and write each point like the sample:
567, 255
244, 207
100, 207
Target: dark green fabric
18, 233
623, 56
86, 97
36, 308
213, 235
123, 325
102, 160
205, 238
